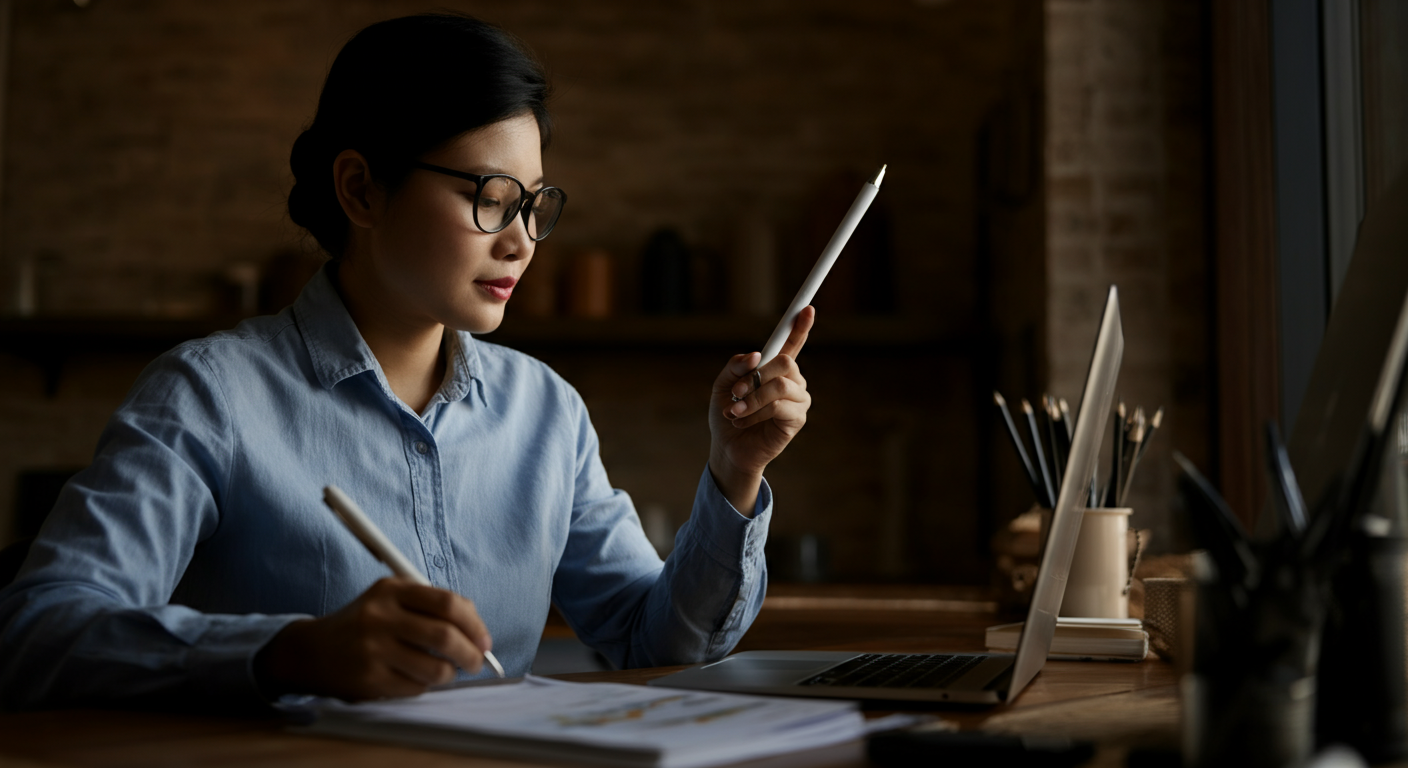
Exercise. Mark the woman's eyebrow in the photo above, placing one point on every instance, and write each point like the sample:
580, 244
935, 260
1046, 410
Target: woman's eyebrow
489, 171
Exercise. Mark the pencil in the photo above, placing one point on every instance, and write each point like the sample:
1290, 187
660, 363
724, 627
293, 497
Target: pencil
1037, 454
1284, 488
1126, 419
1066, 435
1136, 438
1143, 446
1021, 449
1149, 432
1112, 483
1053, 431
1048, 443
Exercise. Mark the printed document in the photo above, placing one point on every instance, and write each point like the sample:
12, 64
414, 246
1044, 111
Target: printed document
597, 723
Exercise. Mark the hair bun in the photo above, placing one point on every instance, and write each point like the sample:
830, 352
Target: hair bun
312, 203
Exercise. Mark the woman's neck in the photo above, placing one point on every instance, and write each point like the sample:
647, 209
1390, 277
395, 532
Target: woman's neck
409, 348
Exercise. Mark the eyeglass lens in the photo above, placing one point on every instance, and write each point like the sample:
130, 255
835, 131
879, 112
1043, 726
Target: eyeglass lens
502, 198
546, 208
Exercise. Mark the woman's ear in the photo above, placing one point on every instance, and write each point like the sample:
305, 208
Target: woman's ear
360, 197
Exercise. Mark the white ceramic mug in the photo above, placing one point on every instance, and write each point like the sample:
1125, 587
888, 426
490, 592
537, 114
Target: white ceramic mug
1098, 586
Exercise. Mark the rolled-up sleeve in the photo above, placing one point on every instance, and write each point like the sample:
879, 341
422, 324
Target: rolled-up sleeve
87, 621
638, 611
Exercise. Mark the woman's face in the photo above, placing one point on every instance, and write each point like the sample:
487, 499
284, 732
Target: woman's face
427, 252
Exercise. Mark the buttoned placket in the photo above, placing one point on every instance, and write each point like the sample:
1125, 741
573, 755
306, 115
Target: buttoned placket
428, 497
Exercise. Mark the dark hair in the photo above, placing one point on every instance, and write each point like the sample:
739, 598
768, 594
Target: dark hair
401, 88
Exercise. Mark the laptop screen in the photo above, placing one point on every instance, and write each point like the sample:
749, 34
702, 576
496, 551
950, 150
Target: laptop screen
1094, 413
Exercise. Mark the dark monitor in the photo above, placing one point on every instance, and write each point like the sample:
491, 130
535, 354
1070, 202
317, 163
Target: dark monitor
1353, 354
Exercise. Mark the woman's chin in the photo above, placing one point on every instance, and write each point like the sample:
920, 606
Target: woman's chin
481, 320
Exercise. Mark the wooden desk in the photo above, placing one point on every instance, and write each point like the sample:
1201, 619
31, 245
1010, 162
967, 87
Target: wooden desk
1117, 705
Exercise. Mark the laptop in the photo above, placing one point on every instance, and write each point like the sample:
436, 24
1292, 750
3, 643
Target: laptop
961, 678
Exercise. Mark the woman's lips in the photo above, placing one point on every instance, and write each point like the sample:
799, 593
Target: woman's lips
501, 289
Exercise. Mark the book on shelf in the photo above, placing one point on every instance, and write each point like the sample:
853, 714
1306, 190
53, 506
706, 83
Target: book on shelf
1082, 639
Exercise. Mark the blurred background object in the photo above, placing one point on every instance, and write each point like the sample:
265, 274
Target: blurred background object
591, 284
666, 275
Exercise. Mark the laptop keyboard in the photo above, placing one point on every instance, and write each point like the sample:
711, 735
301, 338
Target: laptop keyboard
882, 670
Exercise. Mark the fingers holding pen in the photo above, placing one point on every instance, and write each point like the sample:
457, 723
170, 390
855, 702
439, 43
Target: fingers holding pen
442, 647
789, 415
782, 385
801, 328
445, 624
738, 369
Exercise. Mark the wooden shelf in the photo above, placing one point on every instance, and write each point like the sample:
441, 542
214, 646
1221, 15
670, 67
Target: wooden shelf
699, 331
50, 341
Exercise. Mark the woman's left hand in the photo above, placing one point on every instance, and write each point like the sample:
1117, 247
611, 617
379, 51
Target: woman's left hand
751, 432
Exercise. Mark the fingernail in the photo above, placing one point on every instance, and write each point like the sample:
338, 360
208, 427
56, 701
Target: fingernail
739, 408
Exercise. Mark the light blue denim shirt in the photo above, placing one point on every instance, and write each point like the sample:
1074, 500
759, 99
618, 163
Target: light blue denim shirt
199, 530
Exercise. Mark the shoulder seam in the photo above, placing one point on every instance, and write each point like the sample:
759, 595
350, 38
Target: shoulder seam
229, 429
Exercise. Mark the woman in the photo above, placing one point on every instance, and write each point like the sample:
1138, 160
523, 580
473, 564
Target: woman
194, 561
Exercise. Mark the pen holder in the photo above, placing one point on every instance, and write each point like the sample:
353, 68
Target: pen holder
1250, 697
1101, 569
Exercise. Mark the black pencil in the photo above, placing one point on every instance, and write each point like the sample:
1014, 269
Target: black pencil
1149, 433
1066, 435
1021, 449
1038, 455
1049, 434
1112, 484
1053, 430
1284, 489
1217, 530
1132, 447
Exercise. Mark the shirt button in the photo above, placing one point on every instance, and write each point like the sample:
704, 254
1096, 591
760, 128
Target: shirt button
422, 448
439, 559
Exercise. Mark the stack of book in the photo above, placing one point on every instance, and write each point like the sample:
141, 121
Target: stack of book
1079, 639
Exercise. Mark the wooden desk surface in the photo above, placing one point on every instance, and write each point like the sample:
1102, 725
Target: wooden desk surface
1117, 705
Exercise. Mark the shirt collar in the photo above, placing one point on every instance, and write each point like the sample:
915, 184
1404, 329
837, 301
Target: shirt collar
338, 351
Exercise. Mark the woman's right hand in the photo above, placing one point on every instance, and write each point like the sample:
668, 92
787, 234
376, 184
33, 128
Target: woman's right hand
397, 639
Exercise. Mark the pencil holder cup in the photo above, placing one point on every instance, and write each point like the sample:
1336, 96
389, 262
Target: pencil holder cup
1249, 698
1098, 585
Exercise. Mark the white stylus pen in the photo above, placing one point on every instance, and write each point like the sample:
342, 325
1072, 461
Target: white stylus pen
381, 547
828, 256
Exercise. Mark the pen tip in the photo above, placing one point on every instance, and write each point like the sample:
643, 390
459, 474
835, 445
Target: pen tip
880, 174
997, 398
1026, 406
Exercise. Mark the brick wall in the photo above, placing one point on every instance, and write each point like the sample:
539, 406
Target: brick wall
1125, 196
146, 149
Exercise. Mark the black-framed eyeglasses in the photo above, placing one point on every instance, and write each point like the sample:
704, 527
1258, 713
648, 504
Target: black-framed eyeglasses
498, 198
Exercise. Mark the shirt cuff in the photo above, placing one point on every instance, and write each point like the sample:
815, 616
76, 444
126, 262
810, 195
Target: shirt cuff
222, 662
730, 537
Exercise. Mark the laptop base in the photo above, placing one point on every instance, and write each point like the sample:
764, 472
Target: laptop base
784, 672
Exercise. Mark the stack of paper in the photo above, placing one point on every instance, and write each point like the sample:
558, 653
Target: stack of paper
597, 723
1082, 639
